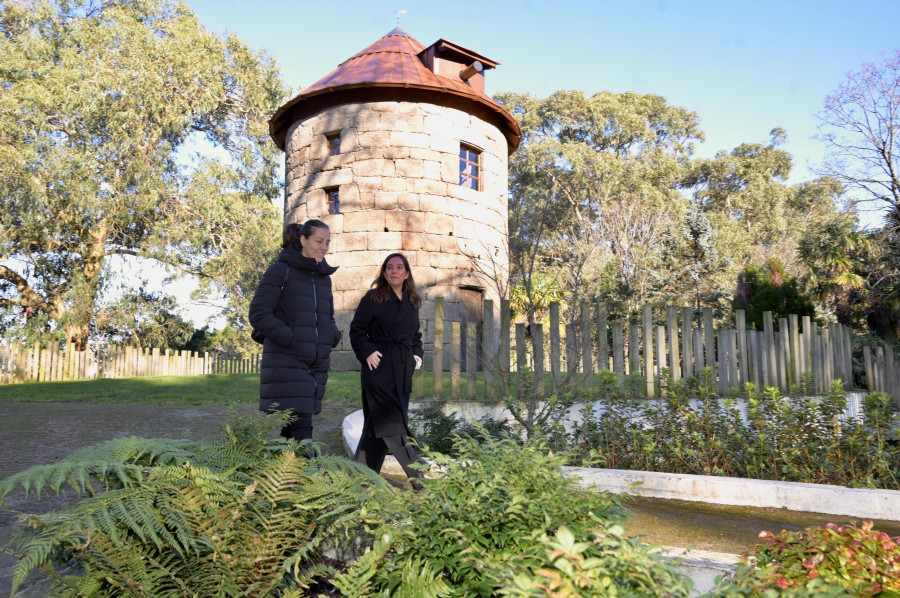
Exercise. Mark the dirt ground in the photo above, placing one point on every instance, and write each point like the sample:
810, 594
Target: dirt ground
41, 433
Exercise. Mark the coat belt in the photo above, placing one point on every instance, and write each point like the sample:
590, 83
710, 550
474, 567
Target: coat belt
400, 358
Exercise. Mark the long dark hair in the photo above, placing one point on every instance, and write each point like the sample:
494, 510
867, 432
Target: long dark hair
293, 231
383, 290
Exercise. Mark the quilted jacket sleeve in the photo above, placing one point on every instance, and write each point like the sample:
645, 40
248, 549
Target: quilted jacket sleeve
264, 305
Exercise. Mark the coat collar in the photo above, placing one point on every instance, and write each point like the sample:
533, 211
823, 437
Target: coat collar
295, 259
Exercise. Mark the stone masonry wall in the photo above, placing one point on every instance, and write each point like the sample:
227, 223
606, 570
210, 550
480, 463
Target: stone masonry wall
398, 180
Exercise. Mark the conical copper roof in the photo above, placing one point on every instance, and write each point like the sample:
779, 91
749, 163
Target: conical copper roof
392, 69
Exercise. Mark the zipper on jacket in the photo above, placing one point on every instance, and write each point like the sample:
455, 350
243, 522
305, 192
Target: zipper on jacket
315, 382
315, 306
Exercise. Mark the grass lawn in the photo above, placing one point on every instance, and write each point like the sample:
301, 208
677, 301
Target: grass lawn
210, 389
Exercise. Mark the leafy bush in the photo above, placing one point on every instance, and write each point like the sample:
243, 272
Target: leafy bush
480, 525
861, 561
434, 429
769, 289
601, 562
798, 438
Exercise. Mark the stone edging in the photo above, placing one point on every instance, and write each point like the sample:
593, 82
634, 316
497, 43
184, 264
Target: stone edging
862, 503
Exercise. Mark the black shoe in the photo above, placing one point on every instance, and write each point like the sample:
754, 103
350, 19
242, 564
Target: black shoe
417, 486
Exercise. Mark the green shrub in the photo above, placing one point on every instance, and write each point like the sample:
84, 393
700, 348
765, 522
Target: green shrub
239, 516
597, 562
435, 430
798, 438
479, 525
861, 561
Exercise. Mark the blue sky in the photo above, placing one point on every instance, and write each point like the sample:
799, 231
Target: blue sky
746, 67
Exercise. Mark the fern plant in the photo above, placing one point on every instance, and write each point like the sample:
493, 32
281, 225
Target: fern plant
239, 516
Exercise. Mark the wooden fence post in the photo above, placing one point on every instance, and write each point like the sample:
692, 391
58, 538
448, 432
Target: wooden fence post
438, 350
602, 338
732, 357
796, 359
769, 332
806, 343
870, 371
785, 372
5, 368
455, 355
634, 350
521, 352
488, 348
827, 362
879, 369
21, 361
753, 358
672, 324
571, 358
723, 366
816, 358
687, 342
660, 356
555, 356
471, 361
504, 353
649, 370
587, 347
740, 327
537, 339
710, 340
618, 343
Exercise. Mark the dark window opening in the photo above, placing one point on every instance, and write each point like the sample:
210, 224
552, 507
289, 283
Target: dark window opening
334, 200
469, 167
334, 143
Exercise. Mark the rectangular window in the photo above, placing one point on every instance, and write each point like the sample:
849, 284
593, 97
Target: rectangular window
334, 143
469, 167
333, 199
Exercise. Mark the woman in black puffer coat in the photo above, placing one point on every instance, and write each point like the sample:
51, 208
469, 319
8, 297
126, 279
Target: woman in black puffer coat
294, 310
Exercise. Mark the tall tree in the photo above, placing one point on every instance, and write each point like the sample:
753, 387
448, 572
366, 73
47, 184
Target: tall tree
861, 124
745, 195
594, 185
101, 105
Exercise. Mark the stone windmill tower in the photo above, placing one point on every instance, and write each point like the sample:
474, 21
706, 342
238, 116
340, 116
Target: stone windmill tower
400, 149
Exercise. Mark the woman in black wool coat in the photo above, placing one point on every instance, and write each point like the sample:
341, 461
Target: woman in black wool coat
386, 339
294, 309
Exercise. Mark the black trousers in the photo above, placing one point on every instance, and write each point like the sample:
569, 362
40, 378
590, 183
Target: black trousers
372, 450
300, 428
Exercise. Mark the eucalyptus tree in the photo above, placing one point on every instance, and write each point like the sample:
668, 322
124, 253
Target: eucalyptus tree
101, 107
745, 195
594, 188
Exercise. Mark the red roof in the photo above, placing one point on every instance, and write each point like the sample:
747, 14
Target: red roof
391, 69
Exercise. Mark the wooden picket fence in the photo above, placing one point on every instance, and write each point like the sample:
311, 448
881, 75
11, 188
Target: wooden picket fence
678, 339
564, 357
55, 361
